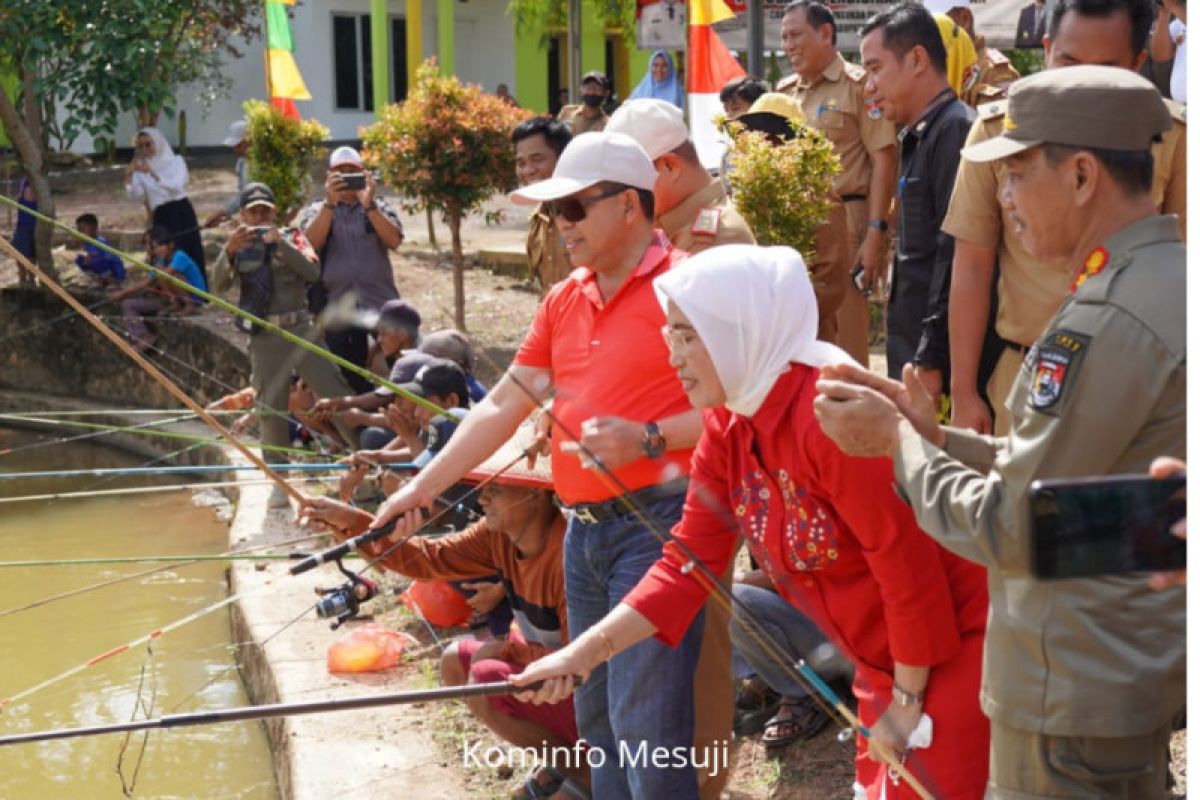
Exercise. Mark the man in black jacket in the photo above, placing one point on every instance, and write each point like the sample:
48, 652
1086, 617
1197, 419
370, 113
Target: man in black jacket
905, 59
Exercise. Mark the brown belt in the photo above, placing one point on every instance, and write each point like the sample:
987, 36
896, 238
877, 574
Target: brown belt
626, 504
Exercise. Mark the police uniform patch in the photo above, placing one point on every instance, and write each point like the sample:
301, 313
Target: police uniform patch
707, 221
873, 109
1051, 363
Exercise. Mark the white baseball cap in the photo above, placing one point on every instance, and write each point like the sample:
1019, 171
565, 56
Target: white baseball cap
592, 158
236, 134
345, 155
656, 125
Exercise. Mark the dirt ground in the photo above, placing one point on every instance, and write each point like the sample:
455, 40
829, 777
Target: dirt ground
499, 309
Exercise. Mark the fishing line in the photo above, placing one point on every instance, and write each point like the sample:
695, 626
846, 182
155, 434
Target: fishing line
105, 431
175, 487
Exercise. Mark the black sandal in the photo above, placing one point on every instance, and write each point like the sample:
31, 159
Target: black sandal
797, 719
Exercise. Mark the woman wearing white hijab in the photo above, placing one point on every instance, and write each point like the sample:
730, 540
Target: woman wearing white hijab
829, 530
159, 178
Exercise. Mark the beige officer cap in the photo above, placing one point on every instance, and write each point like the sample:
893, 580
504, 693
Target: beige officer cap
1102, 107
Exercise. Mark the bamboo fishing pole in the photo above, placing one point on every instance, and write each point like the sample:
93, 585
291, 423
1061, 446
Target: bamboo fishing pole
198, 469
77, 562
144, 429
152, 370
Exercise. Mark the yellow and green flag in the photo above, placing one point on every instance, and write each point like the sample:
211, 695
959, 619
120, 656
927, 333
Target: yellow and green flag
284, 82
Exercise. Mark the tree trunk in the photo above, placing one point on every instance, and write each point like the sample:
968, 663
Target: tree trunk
454, 218
24, 140
429, 224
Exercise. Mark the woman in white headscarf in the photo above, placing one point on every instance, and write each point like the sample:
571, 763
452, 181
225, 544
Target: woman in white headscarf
159, 178
829, 530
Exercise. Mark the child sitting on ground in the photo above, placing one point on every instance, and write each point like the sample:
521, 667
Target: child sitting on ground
149, 296
104, 267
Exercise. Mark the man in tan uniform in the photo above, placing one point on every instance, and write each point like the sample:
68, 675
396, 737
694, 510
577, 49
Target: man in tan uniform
1082, 677
539, 141
992, 73
830, 91
588, 116
691, 207
1029, 290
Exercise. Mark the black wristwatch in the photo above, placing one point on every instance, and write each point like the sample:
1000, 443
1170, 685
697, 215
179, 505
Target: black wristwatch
654, 444
879, 225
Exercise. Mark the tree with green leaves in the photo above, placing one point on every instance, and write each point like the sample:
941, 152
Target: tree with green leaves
281, 153
445, 148
85, 62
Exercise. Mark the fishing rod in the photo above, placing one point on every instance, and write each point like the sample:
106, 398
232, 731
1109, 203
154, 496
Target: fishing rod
135, 575
714, 588
214, 300
76, 562
106, 430
174, 487
144, 429
270, 711
153, 371
199, 469
122, 412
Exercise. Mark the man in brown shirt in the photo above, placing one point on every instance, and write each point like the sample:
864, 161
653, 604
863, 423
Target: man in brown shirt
590, 116
830, 91
1104, 33
539, 141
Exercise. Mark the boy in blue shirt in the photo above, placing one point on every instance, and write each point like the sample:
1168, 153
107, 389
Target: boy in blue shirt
149, 296
96, 261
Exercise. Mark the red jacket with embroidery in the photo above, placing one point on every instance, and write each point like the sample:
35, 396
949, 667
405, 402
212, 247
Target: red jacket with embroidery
831, 532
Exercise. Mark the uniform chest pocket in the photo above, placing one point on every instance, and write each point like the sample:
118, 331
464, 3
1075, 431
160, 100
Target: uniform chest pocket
831, 117
913, 211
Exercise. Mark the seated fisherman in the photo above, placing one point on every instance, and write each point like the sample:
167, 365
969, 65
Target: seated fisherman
521, 537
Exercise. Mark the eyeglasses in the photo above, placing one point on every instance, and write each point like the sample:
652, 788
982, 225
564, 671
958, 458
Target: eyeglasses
572, 209
678, 339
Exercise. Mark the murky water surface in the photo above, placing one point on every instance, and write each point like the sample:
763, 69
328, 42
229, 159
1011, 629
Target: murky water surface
173, 676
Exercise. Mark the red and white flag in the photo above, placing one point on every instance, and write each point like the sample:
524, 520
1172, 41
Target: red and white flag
710, 67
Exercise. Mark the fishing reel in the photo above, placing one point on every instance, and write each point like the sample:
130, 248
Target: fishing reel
342, 603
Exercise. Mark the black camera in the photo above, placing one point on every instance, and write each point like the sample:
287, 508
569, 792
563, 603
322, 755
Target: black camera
343, 602
354, 181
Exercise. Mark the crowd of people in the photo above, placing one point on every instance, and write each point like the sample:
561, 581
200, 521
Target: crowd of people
682, 390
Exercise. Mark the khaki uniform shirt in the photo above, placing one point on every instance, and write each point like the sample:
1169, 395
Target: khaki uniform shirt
293, 267
836, 104
548, 259
991, 76
706, 219
574, 119
1104, 392
1029, 291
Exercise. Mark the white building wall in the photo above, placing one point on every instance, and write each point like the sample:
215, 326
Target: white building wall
483, 54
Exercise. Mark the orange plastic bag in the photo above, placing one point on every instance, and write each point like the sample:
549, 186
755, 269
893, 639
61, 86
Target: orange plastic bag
370, 648
438, 602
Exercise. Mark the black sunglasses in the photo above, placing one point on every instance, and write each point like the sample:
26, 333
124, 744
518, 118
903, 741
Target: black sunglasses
572, 209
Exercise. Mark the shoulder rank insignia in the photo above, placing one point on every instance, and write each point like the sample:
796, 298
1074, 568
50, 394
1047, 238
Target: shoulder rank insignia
1052, 365
707, 222
1092, 266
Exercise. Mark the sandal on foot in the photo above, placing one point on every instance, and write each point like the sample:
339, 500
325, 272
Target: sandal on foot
534, 789
799, 719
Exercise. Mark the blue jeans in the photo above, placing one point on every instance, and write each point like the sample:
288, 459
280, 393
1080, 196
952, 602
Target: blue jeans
790, 629
644, 694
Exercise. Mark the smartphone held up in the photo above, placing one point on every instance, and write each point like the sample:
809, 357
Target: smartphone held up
1107, 526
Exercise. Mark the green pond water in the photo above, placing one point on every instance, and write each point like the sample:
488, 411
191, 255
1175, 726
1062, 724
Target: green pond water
226, 761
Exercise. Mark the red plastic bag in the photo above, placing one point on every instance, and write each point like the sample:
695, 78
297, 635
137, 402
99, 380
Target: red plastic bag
370, 648
438, 602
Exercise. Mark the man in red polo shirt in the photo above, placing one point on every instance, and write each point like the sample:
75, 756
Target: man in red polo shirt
596, 347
